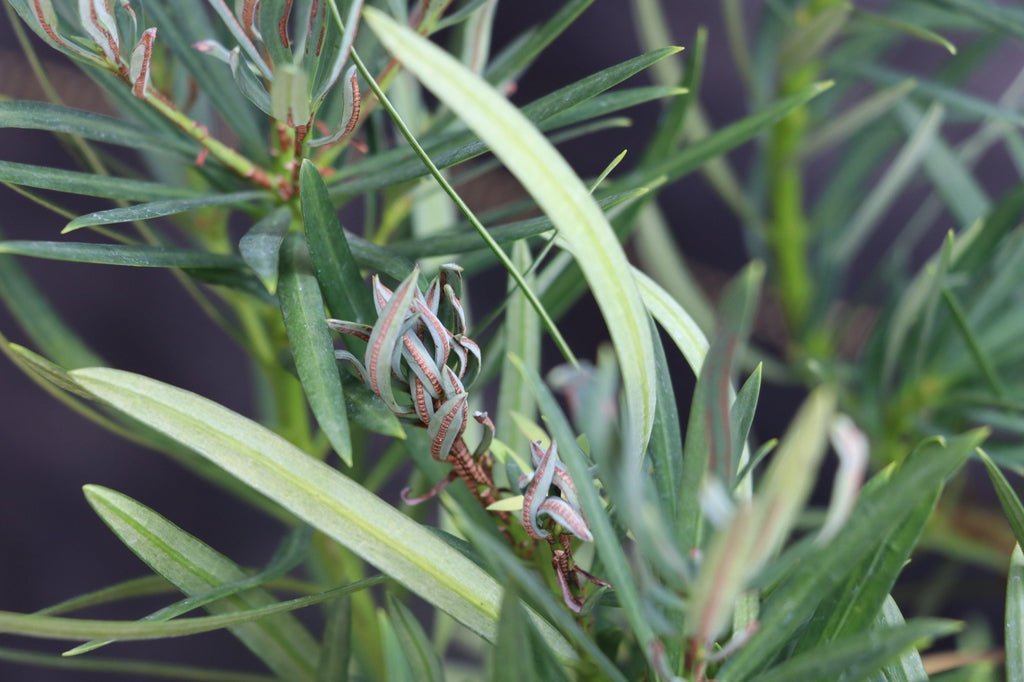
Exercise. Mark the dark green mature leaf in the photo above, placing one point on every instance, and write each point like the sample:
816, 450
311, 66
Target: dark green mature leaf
854, 606
282, 642
419, 652
520, 653
858, 656
40, 321
1008, 499
312, 348
448, 149
336, 269
888, 504
260, 247
666, 447
523, 52
909, 667
742, 412
75, 182
159, 209
60, 119
121, 254
1015, 618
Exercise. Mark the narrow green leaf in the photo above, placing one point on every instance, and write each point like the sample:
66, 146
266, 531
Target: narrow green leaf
742, 411
312, 348
59, 119
520, 653
158, 209
909, 667
788, 482
676, 322
863, 113
522, 53
396, 661
906, 27
260, 247
1006, 19
129, 669
522, 339
336, 647
419, 652
281, 642
121, 254
345, 292
666, 447
80, 629
75, 182
859, 656
314, 492
793, 603
1008, 500
557, 190
1015, 618
40, 321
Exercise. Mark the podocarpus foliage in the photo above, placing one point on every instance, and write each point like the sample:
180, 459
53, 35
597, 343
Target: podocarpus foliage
584, 530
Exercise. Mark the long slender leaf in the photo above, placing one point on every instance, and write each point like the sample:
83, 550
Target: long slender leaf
75, 182
792, 604
314, 492
1015, 618
281, 642
909, 667
129, 669
558, 191
857, 657
306, 323
1008, 500
40, 321
121, 254
59, 119
78, 629
159, 209
419, 652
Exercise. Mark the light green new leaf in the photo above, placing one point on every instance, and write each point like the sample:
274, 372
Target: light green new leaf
158, 209
1015, 618
195, 568
103, 186
680, 326
419, 652
314, 492
557, 190
306, 323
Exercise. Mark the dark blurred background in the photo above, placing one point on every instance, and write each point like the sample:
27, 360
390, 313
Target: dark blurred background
51, 544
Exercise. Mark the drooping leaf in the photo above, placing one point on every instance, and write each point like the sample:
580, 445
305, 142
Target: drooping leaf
281, 642
121, 254
556, 188
314, 492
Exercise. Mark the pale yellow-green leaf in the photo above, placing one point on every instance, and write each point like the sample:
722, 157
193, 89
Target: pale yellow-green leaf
557, 190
